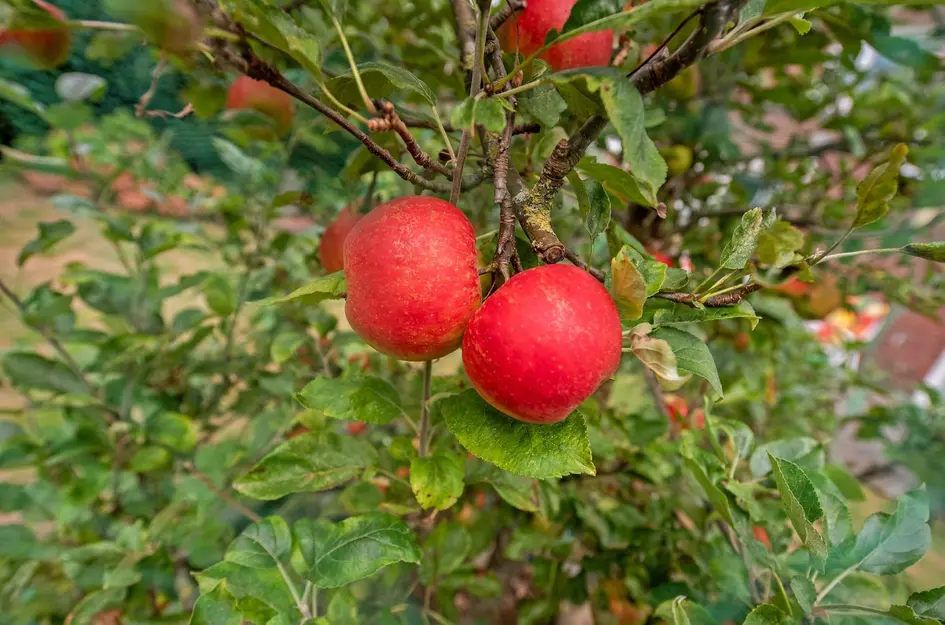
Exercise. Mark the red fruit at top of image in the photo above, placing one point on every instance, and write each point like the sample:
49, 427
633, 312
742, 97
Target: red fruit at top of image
331, 253
677, 408
543, 343
42, 47
412, 278
526, 33
247, 93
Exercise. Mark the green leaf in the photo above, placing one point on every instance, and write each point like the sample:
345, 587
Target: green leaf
738, 251
804, 592
624, 107
265, 585
540, 451
888, 544
437, 481
879, 187
149, 458
278, 28
50, 233
33, 372
767, 614
97, 602
237, 161
220, 296
930, 603
682, 315
676, 280
517, 491
488, 112
801, 25
616, 180
778, 244
715, 495
906, 614
848, 485
261, 545
78, 87
177, 431
328, 287
285, 345
593, 202
544, 104
692, 355
340, 553
217, 607
444, 551
587, 11
800, 502
399, 78
368, 399
929, 251
311, 462
21, 96
627, 286
681, 611
343, 609
788, 449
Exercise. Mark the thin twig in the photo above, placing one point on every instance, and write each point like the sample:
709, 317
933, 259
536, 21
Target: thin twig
52, 340
474, 88
502, 15
425, 409
222, 494
390, 120
576, 260
148, 95
716, 301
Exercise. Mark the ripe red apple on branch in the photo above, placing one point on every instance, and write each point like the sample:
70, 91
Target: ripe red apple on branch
43, 47
331, 252
543, 343
412, 278
246, 93
527, 31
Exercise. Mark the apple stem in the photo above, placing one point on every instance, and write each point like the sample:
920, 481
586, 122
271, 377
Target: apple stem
425, 410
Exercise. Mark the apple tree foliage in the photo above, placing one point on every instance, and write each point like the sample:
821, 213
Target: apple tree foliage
211, 445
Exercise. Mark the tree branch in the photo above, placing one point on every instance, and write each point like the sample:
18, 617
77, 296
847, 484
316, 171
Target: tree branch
502, 15
536, 205
52, 340
716, 301
254, 67
390, 120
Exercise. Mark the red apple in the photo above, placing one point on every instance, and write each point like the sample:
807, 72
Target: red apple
663, 258
246, 93
332, 250
356, 428
44, 47
762, 535
526, 33
412, 279
543, 343
44, 182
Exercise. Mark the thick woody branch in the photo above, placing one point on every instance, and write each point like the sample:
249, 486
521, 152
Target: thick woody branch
647, 78
465, 23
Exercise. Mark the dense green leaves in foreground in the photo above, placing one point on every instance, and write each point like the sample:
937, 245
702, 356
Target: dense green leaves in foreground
191, 433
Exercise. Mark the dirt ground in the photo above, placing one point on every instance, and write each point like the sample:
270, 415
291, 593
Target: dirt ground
20, 212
